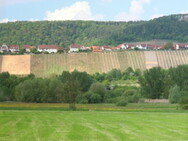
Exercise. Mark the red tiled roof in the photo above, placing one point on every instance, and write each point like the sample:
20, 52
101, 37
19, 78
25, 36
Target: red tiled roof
75, 46
27, 46
48, 47
13, 47
119, 46
183, 45
106, 47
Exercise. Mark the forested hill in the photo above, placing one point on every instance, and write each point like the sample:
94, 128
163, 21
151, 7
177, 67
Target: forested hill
64, 33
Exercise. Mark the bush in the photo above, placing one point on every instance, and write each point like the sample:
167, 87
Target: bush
112, 100
82, 99
4, 94
183, 102
98, 88
95, 98
122, 102
132, 96
174, 94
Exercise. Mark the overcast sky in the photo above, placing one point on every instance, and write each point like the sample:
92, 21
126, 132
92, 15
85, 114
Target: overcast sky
99, 10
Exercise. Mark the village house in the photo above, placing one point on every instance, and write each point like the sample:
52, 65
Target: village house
27, 48
96, 49
180, 46
14, 48
106, 48
4, 48
76, 48
122, 46
48, 48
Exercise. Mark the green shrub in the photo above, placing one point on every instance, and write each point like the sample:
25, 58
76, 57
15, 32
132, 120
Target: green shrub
185, 106
99, 91
132, 96
122, 102
4, 94
113, 100
183, 102
174, 94
95, 98
82, 99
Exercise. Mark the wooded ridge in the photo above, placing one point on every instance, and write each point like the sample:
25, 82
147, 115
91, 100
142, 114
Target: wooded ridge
64, 33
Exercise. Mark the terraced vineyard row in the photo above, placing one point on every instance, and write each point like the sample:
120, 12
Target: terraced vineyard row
167, 59
44, 65
134, 59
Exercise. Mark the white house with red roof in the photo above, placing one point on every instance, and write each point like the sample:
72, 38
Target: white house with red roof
4, 48
27, 48
181, 46
14, 48
48, 48
76, 48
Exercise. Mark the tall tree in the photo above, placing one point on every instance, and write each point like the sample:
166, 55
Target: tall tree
152, 83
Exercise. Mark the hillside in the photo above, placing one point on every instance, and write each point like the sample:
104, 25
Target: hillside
64, 33
45, 65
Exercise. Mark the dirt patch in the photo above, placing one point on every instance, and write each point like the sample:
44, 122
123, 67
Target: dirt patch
14, 64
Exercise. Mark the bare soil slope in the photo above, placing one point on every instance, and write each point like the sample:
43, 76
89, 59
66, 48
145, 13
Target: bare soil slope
16, 64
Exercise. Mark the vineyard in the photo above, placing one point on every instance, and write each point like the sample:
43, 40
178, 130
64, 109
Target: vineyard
44, 65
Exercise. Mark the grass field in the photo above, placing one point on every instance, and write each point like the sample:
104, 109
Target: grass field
104, 122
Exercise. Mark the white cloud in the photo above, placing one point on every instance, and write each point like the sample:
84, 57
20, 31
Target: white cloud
135, 11
12, 2
78, 11
6, 20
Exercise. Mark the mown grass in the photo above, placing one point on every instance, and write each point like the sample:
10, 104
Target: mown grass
101, 122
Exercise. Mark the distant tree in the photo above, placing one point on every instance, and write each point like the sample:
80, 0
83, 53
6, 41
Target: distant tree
169, 46
84, 79
178, 75
99, 76
183, 101
129, 73
71, 90
152, 83
114, 74
174, 94
98, 88
39, 90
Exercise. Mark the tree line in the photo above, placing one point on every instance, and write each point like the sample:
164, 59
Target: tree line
81, 87
64, 33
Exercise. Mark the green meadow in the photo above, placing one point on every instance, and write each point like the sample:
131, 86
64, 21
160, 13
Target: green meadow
104, 122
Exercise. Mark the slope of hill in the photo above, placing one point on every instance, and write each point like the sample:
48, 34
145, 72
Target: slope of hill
44, 65
64, 33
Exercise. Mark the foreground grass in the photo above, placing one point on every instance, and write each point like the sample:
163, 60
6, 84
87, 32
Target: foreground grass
32, 125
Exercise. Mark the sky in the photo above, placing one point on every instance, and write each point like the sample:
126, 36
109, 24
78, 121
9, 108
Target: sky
97, 10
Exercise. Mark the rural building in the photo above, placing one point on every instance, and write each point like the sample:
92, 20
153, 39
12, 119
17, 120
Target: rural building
76, 48
27, 48
14, 48
181, 46
96, 49
48, 48
122, 46
4, 48
106, 48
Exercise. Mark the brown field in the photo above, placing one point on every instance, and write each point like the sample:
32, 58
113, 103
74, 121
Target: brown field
45, 65
14, 64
